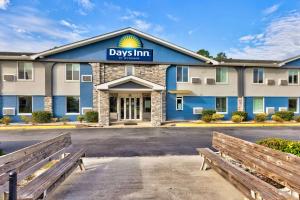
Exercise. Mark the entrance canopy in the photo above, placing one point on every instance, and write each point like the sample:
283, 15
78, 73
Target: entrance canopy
130, 83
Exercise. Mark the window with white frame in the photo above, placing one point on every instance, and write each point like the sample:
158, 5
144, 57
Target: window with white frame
258, 75
221, 104
25, 104
258, 104
72, 72
129, 70
221, 75
293, 76
179, 103
25, 70
293, 105
73, 104
182, 74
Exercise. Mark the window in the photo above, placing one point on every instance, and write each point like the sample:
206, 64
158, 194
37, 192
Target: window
182, 74
258, 75
129, 70
221, 104
72, 72
25, 104
258, 105
293, 105
221, 75
73, 105
293, 77
25, 70
113, 104
147, 104
179, 103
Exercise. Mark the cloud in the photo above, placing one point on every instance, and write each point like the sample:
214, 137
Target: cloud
192, 31
142, 25
172, 18
86, 4
133, 14
4, 4
280, 40
271, 10
111, 6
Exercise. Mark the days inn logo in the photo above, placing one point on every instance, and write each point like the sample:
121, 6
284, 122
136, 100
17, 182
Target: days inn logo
130, 48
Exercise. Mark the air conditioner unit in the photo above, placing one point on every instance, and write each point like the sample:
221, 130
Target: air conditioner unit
210, 81
196, 80
282, 108
283, 82
197, 110
86, 78
9, 111
270, 82
86, 109
9, 77
270, 110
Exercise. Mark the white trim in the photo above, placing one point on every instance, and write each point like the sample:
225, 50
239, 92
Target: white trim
227, 76
9, 108
72, 73
133, 70
15, 78
288, 76
263, 76
182, 74
18, 105
178, 97
283, 108
32, 71
86, 81
297, 104
152, 86
226, 112
120, 32
88, 108
288, 60
66, 108
263, 105
130, 90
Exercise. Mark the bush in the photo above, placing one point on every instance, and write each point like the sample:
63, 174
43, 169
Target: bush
80, 118
261, 117
287, 146
208, 112
297, 118
285, 115
277, 118
242, 114
217, 117
206, 118
91, 116
6, 120
237, 118
41, 117
64, 119
26, 119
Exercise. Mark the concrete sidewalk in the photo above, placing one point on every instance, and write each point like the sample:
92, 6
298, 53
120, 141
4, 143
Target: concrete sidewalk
168, 177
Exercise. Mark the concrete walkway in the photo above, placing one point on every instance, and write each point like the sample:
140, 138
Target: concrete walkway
168, 177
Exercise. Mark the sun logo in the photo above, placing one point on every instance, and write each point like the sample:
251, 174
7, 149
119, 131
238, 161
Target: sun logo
130, 41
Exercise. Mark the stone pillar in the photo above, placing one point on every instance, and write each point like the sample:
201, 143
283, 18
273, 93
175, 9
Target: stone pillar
103, 108
241, 104
156, 108
96, 81
48, 104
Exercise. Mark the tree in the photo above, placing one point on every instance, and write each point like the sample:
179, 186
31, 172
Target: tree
204, 52
221, 56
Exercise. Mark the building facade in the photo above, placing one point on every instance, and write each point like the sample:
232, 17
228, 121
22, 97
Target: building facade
129, 75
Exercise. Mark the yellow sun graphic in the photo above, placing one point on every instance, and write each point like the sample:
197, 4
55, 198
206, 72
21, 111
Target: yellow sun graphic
130, 41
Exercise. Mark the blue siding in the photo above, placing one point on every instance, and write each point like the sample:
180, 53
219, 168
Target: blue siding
97, 51
293, 64
59, 108
37, 103
86, 88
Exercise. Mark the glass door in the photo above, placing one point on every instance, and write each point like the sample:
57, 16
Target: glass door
130, 108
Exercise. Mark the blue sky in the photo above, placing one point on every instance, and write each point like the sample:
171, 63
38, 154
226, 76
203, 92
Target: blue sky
260, 29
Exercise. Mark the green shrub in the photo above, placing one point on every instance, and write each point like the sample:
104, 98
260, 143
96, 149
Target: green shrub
6, 120
285, 115
41, 117
287, 146
208, 112
1, 152
26, 119
277, 118
206, 118
242, 114
297, 118
237, 118
217, 117
91, 116
80, 118
261, 117
64, 119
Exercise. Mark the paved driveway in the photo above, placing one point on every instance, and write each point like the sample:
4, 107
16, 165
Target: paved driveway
141, 141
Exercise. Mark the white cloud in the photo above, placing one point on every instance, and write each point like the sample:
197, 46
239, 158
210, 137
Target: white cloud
86, 4
271, 9
280, 40
4, 4
142, 25
173, 18
111, 6
133, 14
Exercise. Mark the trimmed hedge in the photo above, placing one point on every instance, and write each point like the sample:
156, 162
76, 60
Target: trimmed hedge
91, 116
207, 118
285, 115
261, 117
242, 114
208, 112
237, 118
297, 118
41, 117
287, 146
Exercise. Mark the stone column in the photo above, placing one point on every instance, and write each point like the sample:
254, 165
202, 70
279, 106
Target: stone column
96, 81
103, 108
48, 104
240, 104
156, 108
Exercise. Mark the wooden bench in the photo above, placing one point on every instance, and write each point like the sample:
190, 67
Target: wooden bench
58, 153
280, 168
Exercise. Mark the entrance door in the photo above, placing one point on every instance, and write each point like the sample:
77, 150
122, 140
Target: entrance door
130, 108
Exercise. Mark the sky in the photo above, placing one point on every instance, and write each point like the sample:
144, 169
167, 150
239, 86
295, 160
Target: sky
245, 29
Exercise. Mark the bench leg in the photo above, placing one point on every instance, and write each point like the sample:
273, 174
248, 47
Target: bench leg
81, 165
204, 165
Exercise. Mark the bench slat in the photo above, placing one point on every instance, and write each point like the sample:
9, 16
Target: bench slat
244, 181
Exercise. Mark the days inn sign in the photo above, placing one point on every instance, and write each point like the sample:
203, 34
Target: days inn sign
129, 49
